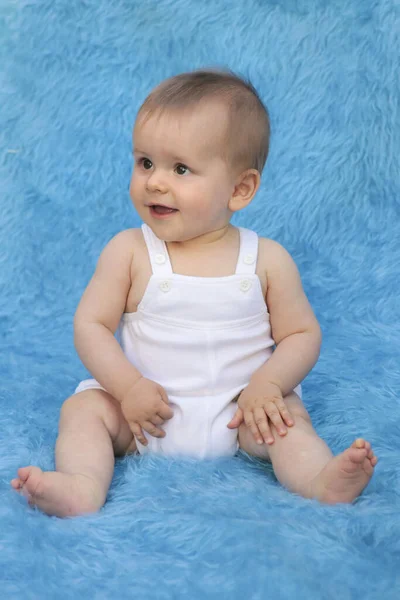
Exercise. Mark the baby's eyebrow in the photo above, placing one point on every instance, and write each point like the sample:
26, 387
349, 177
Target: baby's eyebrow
179, 159
137, 151
174, 158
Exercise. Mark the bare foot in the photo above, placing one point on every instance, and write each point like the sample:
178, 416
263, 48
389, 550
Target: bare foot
346, 475
58, 494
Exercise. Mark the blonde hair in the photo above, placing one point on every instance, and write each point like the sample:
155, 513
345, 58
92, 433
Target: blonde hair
249, 126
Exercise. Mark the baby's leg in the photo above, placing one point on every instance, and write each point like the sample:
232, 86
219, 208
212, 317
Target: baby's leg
304, 464
92, 430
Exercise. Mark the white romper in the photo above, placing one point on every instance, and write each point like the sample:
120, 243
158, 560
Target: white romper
201, 339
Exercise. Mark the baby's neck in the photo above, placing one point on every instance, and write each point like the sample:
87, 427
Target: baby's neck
212, 255
205, 241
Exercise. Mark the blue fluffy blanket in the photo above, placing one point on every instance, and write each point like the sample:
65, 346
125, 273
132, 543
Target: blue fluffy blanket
73, 74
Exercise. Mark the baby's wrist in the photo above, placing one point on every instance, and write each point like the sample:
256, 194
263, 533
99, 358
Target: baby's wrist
262, 382
128, 388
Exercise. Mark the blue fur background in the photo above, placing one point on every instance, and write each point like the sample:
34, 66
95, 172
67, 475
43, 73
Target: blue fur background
72, 76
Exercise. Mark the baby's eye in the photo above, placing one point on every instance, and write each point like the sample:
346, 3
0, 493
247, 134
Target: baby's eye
145, 163
181, 169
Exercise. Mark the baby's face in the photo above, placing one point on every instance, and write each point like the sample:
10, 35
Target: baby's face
181, 184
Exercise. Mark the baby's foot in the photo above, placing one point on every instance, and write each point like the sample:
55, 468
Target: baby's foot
346, 475
58, 494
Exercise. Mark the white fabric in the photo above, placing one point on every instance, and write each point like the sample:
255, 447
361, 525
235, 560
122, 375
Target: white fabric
201, 338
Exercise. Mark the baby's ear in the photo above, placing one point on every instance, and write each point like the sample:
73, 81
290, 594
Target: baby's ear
246, 186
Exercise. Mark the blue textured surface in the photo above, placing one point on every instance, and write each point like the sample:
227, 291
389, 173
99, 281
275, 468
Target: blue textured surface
72, 77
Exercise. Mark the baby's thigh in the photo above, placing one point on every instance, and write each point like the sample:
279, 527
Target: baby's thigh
300, 416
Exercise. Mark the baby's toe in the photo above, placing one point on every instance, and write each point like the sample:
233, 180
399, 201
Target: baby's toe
356, 457
24, 473
359, 443
16, 484
368, 467
371, 455
31, 480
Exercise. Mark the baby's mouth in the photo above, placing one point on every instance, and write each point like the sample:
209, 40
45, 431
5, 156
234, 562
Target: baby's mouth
162, 210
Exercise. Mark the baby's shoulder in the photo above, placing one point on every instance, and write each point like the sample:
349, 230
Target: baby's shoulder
271, 248
272, 256
125, 241
122, 248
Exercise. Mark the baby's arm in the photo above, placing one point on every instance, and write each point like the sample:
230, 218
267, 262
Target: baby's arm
297, 336
144, 403
99, 313
295, 329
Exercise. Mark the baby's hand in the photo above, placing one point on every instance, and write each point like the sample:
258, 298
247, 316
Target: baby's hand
256, 407
145, 406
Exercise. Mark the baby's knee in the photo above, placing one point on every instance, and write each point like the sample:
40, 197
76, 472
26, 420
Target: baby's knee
95, 403
302, 418
297, 409
248, 444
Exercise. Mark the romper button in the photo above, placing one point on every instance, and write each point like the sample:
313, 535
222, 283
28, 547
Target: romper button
249, 259
160, 259
245, 285
165, 286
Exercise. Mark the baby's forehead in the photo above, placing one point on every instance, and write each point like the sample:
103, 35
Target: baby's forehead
202, 128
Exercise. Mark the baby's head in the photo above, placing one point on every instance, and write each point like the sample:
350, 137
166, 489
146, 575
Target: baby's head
201, 141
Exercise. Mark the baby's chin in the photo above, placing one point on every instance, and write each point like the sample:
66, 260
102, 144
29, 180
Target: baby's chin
170, 234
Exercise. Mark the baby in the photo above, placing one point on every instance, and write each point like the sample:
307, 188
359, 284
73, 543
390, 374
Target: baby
197, 333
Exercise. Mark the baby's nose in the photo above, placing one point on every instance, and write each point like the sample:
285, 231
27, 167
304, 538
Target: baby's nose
157, 182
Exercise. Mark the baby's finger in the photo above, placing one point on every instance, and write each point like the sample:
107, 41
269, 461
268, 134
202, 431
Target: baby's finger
165, 411
275, 417
138, 433
153, 430
285, 413
163, 394
157, 420
237, 419
251, 424
262, 423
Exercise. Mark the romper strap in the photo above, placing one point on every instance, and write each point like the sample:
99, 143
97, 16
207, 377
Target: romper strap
158, 253
247, 261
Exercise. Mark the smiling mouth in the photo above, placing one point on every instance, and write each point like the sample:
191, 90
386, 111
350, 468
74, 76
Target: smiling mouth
160, 209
